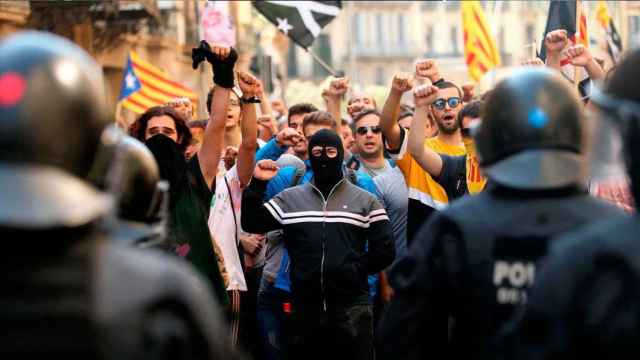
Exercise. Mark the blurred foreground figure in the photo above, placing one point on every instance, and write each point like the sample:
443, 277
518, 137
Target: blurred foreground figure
586, 302
472, 264
68, 289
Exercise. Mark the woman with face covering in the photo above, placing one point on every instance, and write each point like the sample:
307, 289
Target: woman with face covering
165, 133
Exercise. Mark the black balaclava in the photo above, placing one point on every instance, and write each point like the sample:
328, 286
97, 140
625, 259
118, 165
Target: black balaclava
171, 161
326, 171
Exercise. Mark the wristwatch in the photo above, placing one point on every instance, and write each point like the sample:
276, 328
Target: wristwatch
251, 100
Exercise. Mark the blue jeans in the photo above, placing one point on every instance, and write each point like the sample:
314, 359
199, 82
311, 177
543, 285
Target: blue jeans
273, 321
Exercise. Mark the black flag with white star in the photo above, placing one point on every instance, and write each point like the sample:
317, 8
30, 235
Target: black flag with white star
302, 21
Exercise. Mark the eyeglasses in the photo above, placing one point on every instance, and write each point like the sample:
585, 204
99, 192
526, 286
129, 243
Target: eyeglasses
452, 101
363, 130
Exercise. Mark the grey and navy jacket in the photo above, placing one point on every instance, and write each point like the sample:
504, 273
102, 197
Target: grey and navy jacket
326, 238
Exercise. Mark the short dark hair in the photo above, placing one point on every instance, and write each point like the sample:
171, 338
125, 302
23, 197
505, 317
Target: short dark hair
472, 109
319, 118
448, 84
364, 113
139, 127
405, 110
300, 109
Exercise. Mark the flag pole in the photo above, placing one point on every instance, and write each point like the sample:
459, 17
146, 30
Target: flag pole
576, 69
321, 62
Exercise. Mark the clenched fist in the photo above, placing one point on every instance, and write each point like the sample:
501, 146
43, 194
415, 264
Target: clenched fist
402, 82
265, 170
249, 85
428, 69
556, 41
288, 137
578, 55
425, 95
337, 88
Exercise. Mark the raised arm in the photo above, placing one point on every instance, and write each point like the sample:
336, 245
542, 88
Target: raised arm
389, 120
428, 159
250, 87
222, 60
554, 42
255, 216
581, 56
333, 98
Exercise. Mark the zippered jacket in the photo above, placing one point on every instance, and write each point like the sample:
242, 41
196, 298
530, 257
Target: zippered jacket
326, 238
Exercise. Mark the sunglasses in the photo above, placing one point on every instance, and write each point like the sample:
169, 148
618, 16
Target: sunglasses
452, 101
363, 130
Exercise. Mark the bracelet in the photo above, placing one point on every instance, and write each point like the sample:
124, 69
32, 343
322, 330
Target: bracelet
251, 100
437, 82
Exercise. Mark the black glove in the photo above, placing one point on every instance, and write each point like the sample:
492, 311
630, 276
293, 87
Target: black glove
201, 53
222, 69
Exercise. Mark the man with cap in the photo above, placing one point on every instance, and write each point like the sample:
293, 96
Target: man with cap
67, 285
327, 224
472, 264
595, 315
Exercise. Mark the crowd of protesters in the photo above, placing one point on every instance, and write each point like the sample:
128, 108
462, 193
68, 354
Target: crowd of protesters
402, 230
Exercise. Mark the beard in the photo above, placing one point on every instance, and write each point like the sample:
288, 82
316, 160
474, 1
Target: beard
447, 128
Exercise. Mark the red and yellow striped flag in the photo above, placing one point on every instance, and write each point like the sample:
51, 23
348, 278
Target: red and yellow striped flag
145, 85
480, 50
582, 37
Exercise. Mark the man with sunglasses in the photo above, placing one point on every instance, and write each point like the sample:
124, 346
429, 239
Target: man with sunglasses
425, 194
368, 140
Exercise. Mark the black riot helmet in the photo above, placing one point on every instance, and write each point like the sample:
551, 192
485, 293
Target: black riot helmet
532, 135
52, 112
618, 114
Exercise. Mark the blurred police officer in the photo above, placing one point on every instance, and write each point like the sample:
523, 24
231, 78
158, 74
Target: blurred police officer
473, 263
68, 289
596, 315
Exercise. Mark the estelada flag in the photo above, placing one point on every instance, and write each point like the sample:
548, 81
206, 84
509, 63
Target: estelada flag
480, 50
145, 85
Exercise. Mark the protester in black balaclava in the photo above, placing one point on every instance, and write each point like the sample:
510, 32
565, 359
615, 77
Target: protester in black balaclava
326, 155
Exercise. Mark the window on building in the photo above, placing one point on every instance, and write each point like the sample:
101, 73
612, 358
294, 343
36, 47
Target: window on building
634, 31
530, 33
379, 29
355, 28
400, 29
292, 62
429, 39
322, 48
380, 76
454, 40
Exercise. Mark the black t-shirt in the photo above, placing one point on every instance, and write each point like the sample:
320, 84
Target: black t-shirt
188, 227
453, 177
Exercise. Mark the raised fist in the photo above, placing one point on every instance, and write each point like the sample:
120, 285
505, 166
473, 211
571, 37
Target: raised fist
428, 69
556, 41
337, 88
578, 55
288, 137
425, 95
265, 170
533, 62
402, 82
468, 91
249, 85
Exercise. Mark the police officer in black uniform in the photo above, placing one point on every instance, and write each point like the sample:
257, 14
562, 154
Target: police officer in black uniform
68, 289
473, 263
125, 168
596, 312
